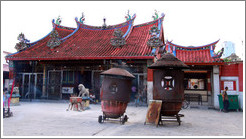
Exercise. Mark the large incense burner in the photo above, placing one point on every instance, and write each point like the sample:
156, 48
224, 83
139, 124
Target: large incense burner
115, 94
168, 83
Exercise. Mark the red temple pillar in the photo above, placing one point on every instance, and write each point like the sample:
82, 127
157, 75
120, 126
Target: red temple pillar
11, 70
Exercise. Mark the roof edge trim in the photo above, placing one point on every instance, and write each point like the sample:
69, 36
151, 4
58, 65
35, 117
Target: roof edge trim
129, 27
152, 22
194, 47
60, 26
160, 23
109, 27
33, 43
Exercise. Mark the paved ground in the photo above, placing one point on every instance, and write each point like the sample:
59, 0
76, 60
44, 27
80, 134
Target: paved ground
52, 119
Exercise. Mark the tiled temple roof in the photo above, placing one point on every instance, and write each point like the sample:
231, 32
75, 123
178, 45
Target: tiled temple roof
194, 54
91, 42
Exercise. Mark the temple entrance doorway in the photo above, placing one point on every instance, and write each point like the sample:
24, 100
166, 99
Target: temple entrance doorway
54, 84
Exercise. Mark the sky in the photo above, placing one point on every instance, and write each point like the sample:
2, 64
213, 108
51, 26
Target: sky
186, 23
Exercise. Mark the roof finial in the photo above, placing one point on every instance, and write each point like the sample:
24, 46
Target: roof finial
128, 16
156, 15
162, 14
58, 20
219, 53
82, 19
104, 23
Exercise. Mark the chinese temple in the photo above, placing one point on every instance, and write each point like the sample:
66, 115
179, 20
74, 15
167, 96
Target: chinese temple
53, 67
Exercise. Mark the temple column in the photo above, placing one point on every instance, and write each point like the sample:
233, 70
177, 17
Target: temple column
149, 82
11, 72
216, 86
44, 79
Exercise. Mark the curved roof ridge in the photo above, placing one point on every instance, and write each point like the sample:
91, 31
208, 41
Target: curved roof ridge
161, 35
160, 24
151, 22
61, 26
109, 27
63, 39
129, 30
6, 57
54, 26
6, 52
194, 47
33, 43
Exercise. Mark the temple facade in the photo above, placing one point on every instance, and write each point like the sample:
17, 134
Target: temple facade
54, 66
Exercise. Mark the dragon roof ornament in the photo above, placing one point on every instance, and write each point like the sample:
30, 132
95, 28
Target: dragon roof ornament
58, 20
219, 53
82, 19
155, 16
128, 16
23, 42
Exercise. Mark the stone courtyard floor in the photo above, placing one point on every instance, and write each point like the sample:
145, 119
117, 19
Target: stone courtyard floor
51, 119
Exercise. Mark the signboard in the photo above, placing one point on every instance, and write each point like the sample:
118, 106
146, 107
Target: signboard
67, 90
228, 84
153, 114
